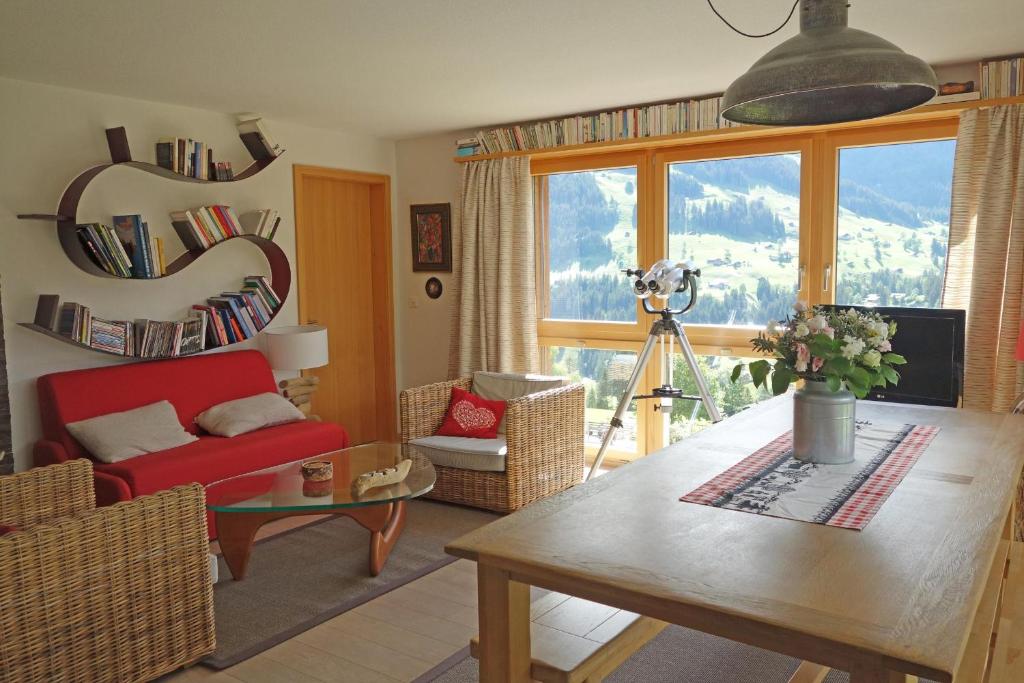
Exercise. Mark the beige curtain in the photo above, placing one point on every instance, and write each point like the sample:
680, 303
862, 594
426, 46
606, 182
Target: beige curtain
985, 265
495, 324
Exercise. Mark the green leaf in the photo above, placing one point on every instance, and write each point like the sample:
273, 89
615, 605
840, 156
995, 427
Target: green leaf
877, 379
890, 375
759, 370
860, 377
781, 379
736, 373
894, 359
838, 365
834, 382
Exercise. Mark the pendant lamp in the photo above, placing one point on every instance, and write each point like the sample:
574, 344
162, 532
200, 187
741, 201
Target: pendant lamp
828, 73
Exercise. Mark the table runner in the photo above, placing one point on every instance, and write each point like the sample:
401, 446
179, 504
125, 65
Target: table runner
772, 482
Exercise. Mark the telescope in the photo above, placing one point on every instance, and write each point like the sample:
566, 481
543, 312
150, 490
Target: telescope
659, 282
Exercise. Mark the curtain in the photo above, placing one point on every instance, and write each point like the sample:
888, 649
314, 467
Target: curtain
495, 323
985, 263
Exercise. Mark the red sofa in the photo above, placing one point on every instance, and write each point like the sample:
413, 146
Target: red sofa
192, 385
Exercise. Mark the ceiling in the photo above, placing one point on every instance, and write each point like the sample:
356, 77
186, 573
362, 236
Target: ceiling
403, 68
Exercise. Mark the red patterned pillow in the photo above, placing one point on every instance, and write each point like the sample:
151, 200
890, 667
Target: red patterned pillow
6, 529
470, 415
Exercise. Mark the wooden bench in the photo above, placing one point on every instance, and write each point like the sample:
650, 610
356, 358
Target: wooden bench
578, 641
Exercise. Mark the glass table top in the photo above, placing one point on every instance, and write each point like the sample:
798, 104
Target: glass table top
283, 487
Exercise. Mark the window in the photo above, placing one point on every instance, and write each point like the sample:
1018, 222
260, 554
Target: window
854, 215
739, 220
605, 373
893, 223
591, 237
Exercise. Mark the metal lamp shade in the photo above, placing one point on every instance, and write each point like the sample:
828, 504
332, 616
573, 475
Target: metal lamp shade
298, 347
828, 73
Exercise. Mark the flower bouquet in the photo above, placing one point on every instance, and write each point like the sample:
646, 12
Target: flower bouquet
849, 349
841, 355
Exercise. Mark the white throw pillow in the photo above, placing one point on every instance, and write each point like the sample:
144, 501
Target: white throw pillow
248, 414
119, 436
502, 386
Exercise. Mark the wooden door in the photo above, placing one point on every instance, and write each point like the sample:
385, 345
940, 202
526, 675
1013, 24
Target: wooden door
343, 254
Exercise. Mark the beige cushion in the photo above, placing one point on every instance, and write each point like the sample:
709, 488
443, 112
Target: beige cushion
248, 414
119, 436
464, 453
498, 386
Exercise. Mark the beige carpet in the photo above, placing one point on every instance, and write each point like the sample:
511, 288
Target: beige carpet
306, 576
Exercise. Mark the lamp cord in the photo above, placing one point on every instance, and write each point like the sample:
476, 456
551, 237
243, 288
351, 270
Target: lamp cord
754, 35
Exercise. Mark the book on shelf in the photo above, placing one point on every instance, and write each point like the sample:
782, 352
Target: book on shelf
261, 222
256, 138
191, 158
956, 97
103, 248
1002, 77
202, 227
466, 147
133, 234
47, 310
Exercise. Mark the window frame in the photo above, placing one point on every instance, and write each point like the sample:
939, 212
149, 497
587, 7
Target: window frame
818, 225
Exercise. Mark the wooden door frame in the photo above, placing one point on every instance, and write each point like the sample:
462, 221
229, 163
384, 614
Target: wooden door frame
383, 301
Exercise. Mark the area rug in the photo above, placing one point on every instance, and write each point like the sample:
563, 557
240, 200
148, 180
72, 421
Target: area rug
772, 482
304, 577
676, 655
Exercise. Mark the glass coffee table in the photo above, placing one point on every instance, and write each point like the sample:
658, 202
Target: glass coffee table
242, 504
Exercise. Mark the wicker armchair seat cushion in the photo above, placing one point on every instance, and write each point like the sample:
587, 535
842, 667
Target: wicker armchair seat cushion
464, 453
503, 386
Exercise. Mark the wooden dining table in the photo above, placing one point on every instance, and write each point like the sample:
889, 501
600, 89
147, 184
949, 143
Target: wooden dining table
915, 593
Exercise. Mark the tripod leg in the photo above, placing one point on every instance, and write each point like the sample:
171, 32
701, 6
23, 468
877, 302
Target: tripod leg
627, 398
691, 361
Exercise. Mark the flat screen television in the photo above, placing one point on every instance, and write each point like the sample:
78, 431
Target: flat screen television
932, 341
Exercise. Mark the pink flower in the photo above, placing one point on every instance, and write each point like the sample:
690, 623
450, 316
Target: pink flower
803, 357
829, 332
817, 363
885, 346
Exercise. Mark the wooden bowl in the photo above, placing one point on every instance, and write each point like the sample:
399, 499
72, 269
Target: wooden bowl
317, 470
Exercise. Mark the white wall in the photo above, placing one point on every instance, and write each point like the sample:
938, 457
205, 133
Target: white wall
427, 175
51, 134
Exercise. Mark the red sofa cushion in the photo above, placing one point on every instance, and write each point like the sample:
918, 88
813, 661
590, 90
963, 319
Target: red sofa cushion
213, 458
191, 384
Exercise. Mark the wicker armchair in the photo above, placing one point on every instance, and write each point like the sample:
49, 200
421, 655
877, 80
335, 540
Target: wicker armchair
544, 435
119, 593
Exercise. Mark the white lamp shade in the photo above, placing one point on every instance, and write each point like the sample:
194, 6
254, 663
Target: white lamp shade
297, 347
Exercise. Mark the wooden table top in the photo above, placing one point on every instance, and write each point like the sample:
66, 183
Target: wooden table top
903, 591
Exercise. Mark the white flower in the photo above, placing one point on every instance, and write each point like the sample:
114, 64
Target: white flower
772, 328
879, 329
817, 324
829, 332
803, 357
852, 314
800, 307
801, 330
885, 346
872, 358
852, 348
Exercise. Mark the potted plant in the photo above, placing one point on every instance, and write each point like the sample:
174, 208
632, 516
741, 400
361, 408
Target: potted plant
841, 355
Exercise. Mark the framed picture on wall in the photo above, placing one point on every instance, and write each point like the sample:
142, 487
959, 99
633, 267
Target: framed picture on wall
431, 237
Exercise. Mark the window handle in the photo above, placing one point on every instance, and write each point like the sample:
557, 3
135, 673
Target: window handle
800, 273
827, 279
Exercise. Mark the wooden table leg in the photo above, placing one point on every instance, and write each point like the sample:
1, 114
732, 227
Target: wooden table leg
809, 672
385, 524
504, 609
235, 533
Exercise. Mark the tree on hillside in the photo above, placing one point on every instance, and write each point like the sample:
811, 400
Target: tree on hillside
580, 220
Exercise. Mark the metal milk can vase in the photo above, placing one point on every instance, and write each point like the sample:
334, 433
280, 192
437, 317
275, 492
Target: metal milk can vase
824, 424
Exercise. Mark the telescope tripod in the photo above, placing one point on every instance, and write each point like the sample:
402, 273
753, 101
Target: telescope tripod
665, 326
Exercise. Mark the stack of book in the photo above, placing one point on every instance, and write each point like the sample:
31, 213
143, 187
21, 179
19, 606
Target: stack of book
261, 222
191, 158
203, 227
467, 147
236, 316
226, 319
126, 250
1002, 77
633, 122
257, 140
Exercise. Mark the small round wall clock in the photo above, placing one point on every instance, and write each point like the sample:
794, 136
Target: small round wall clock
433, 288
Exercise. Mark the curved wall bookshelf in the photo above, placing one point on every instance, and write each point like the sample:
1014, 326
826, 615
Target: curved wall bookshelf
120, 155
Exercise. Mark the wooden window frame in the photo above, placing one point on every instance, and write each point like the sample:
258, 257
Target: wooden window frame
819, 177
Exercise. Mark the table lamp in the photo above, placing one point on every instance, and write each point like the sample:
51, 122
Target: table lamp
298, 347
